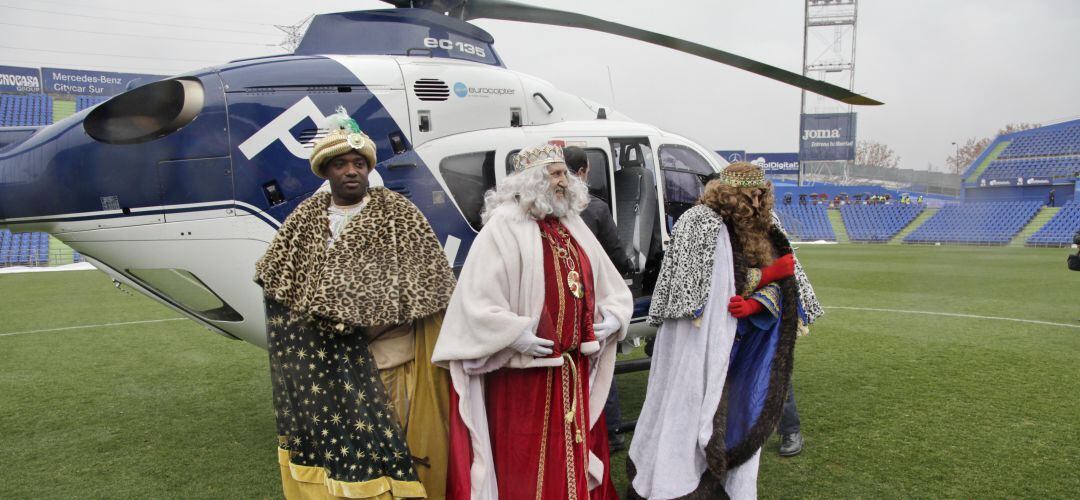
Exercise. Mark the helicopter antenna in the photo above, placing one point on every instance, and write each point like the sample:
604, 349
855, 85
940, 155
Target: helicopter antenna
611, 87
294, 33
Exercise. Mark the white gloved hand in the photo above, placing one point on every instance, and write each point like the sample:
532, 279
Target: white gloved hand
529, 343
607, 326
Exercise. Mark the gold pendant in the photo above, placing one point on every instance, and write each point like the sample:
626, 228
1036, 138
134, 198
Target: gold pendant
573, 281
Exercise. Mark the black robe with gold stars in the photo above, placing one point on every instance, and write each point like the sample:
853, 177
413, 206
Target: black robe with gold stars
336, 424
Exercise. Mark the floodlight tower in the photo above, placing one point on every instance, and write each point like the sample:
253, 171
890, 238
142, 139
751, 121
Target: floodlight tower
294, 33
829, 55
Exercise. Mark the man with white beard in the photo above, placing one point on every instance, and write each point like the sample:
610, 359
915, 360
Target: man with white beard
529, 338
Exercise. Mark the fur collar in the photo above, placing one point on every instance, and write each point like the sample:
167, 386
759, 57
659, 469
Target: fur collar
385, 268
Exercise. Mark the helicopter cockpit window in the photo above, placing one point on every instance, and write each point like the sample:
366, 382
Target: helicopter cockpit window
468, 177
683, 170
186, 291
147, 113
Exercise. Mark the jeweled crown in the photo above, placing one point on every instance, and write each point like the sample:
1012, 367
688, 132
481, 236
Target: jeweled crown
754, 177
536, 156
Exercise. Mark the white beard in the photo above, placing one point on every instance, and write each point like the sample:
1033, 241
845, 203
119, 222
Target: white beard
560, 207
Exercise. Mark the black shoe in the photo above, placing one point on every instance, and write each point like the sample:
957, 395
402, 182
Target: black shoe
616, 443
791, 444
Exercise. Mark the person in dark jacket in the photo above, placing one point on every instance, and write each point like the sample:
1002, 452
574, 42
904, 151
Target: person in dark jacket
597, 216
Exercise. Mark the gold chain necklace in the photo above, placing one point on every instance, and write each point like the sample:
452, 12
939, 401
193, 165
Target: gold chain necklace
573, 278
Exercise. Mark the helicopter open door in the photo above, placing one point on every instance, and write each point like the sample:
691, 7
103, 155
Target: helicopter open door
637, 209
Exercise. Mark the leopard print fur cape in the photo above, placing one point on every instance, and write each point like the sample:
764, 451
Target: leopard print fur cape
386, 268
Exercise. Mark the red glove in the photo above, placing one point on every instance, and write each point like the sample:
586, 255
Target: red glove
741, 308
781, 268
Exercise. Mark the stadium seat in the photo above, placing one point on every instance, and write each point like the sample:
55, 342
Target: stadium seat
981, 223
1058, 231
806, 222
877, 223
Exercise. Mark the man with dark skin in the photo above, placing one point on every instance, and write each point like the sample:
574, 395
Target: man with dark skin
355, 284
348, 177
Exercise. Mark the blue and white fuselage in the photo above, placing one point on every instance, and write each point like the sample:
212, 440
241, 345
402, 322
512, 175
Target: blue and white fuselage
177, 187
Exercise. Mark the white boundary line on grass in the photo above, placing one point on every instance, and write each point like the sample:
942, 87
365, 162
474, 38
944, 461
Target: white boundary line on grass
954, 315
92, 326
905, 311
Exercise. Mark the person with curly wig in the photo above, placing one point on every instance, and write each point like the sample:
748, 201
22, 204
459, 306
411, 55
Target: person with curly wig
727, 304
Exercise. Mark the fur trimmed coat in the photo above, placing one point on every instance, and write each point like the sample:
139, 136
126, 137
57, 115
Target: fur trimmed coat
500, 293
706, 363
386, 268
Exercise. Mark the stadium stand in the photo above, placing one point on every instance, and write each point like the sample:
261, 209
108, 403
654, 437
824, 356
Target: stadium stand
1060, 166
985, 223
806, 222
24, 249
877, 223
25, 110
84, 101
1045, 141
1059, 231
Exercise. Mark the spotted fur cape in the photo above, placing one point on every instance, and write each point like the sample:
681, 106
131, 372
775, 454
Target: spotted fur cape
386, 267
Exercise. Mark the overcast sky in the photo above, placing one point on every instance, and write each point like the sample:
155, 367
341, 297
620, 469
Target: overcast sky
946, 70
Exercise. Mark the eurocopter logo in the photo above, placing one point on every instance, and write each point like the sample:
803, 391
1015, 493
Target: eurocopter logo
462, 90
821, 133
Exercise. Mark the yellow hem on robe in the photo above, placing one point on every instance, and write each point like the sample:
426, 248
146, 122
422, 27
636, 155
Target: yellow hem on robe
378, 488
427, 419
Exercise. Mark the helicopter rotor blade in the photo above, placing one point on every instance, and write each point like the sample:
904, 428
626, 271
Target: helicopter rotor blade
513, 11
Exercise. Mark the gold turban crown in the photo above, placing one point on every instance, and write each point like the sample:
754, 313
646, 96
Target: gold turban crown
343, 135
751, 178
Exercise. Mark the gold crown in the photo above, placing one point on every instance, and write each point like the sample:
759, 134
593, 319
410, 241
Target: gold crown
754, 178
536, 156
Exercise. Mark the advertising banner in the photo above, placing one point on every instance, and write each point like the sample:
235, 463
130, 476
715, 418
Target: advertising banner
91, 83
733, 156
827, 137
775, 163
16, 79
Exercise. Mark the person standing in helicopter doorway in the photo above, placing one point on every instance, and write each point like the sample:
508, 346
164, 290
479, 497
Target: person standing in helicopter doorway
355, 285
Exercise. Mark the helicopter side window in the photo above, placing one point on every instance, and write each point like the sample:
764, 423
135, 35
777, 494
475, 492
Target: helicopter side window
468, 177
598, 174
146, 113
187, 291
683, 170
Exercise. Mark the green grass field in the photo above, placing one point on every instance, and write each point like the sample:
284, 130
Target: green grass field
893, 404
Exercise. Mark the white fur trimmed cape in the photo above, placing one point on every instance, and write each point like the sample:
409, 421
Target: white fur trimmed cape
499, 293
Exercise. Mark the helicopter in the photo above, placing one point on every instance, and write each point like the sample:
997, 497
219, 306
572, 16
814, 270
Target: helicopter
175, 188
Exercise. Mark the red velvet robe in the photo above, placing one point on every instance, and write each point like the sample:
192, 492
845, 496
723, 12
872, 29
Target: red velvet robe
539, 453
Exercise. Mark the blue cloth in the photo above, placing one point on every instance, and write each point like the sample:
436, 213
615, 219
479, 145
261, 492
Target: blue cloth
756, 341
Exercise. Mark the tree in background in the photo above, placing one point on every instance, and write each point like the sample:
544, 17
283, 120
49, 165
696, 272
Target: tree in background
875, 154
970, 149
